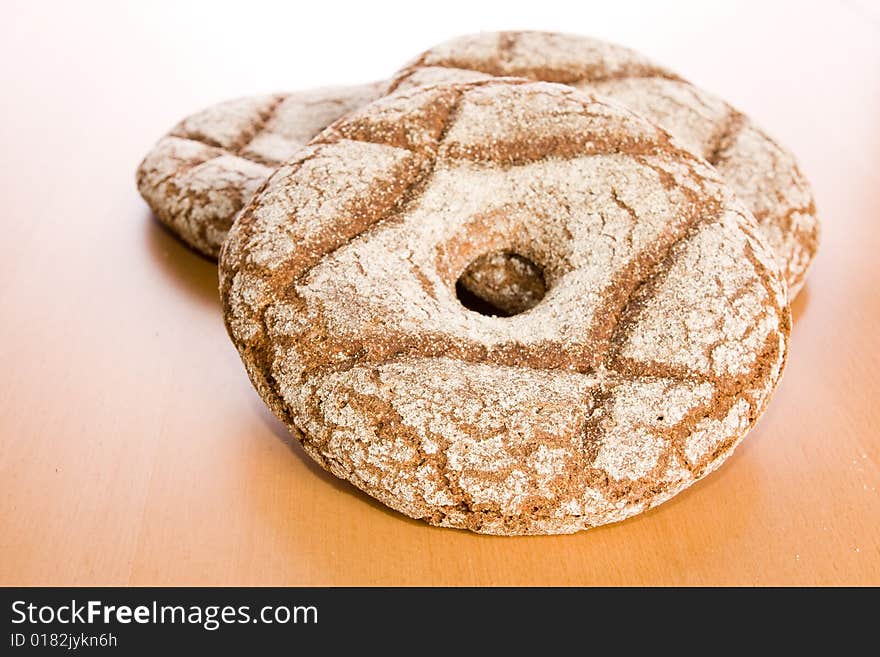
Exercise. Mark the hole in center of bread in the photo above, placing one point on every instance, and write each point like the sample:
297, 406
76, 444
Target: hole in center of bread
501, 284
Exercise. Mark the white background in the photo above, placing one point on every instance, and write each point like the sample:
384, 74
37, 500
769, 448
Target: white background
185, 55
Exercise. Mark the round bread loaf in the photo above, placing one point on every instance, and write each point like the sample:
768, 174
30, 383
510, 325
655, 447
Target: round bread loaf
660, 336
199, 175
764, 175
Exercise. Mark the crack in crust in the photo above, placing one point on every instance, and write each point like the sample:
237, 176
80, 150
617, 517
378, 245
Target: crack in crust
718, 149
662, 335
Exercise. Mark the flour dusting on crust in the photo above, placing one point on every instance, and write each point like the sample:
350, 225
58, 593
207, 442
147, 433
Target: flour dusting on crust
662, 334
198, 176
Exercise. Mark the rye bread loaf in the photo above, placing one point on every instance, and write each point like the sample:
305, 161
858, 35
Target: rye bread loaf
198, 176
661, 335
763, 174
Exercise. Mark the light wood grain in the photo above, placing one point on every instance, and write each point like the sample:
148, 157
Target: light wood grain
134, 450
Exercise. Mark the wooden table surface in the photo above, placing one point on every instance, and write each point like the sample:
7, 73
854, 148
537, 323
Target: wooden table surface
134, 450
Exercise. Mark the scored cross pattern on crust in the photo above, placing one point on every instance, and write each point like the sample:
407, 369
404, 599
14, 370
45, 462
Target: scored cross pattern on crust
662, 334
201, 174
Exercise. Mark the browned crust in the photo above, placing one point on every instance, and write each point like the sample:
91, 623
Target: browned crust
201, 209
321, 352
